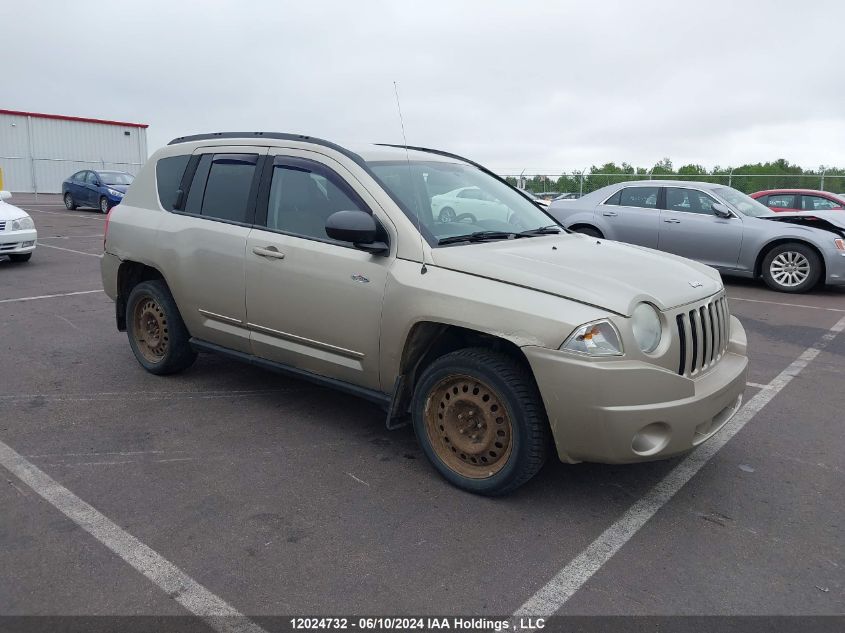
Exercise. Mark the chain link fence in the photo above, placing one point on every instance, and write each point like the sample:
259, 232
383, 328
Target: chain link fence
582, 183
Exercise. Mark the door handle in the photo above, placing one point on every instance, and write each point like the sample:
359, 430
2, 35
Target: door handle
271, 252
672, 221
610, 214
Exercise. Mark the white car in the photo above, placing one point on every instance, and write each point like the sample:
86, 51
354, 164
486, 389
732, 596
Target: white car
468, 203
17, 231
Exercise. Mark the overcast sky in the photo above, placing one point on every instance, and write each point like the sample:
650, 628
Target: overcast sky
543, 86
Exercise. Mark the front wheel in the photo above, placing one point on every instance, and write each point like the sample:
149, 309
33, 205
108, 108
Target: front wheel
589, 230
70, 205
480, 421
791, 267
104, 204
157, 335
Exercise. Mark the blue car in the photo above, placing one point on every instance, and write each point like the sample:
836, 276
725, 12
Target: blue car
96, 189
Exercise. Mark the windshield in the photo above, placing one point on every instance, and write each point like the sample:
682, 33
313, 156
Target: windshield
452, 199
116, 178
742, 203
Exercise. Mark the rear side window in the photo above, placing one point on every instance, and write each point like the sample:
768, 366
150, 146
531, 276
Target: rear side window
614, 199
644, 197
168, 178
80, 175
222, 187
781, 201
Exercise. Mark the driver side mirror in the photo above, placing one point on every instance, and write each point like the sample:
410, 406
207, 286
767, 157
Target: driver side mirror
721, 210
357, 227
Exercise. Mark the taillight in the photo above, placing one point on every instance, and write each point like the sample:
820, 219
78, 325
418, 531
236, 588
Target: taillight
106, 228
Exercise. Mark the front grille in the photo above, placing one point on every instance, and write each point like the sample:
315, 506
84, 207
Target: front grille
3, 225
703, 332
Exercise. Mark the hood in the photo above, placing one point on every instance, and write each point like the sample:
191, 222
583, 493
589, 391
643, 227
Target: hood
599, 272
10, 212
120, 188
826, 220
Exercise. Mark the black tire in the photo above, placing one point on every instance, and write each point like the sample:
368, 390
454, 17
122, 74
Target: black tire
105, 205
507, 382
20, 257
589, 230
792, 267
447, 214
157, 335
70, 205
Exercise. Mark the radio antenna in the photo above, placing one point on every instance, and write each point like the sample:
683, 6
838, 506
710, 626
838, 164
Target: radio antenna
423, 270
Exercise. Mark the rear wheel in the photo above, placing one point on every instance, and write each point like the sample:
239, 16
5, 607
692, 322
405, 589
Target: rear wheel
157, 334
589, 230
447, 214
20, 257
480, 421
69, 203
104, 204
791, 267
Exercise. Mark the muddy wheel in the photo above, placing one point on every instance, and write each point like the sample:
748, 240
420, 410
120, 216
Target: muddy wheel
791, 267
157, 334
480, 421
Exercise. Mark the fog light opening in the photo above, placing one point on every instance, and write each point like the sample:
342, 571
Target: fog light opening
651, 439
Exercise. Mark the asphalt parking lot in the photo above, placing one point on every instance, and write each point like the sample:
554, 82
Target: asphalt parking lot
280, 497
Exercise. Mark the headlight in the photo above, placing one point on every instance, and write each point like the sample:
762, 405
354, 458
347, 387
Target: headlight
22, 224
595, 339
115, 192
645, 321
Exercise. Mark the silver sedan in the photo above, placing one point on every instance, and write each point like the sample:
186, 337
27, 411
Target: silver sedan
716, 225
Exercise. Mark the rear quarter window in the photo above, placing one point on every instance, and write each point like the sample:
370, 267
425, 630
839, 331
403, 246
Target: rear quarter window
168, 178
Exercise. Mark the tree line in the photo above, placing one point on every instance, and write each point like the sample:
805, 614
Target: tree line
748, 178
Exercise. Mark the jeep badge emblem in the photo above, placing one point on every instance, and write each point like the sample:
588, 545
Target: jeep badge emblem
360, 279
696, 284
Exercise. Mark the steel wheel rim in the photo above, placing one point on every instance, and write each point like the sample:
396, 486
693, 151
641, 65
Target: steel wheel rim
790, 269
468, 426
447, 215
149, 330
104, 205
68, 201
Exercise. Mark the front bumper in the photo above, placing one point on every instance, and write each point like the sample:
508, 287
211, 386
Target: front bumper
835, 265
18, 242
630, 411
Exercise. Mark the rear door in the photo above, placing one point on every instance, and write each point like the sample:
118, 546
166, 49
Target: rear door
204, 241
689, 228
631, 215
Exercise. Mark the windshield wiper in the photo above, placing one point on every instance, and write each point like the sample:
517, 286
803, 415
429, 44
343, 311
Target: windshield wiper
551, 229
478, 236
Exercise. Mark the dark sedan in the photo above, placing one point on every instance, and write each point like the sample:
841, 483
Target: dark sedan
96, 189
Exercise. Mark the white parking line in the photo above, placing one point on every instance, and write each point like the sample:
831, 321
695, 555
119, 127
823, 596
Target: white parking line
757, 385
789, 305
70, 250
64, 294
68, 214
67, 237
554, 594
216, 612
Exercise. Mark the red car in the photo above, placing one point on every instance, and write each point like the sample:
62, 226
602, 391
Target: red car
800, 200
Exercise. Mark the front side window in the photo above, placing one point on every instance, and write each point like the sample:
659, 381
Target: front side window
643, 197
817, 203
781, 201
116, 178
303, 194
689, 201
428, 192
222, 185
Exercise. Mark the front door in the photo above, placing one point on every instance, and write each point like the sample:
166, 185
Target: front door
690, 228
312, 302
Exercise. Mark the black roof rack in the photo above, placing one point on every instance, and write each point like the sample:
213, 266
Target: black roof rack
282, 136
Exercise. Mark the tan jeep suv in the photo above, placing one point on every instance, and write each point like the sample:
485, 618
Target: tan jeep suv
423, 282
